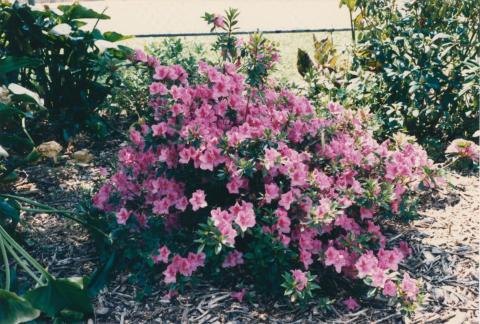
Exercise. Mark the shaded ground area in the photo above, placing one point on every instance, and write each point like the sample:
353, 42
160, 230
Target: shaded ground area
445, 243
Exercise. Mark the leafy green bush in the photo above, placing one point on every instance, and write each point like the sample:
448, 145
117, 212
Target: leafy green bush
52, 55
416, 67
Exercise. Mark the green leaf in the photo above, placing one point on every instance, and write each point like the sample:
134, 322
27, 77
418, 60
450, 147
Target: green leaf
112, 36
14, 309
60, 294
11, 63
3, 152
7, 113
8, 211
304, 62
349, 3
77, 11
100, 277
61, 30
440, 36
24, 94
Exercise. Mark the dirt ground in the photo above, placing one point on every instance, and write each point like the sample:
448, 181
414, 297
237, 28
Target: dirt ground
445, 241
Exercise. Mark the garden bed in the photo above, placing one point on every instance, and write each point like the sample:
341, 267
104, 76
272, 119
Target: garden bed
444, 241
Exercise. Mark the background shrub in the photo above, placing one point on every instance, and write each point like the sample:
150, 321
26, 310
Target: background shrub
416, 68
70, 68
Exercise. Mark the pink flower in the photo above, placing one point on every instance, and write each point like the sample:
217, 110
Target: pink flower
122, 216
272, 156
140, 56
409, 287
464, 148
335, 108
158, 88
306, 258
366, 265
300, 278
228, 233
337, 258
378, 277
283, 223
220, 216
183, 265
101, 198
182, 203
245, 216
198, 200
366, 213
218, 21
162, 256
351, 303
286, 200
186, 154
196, 260
299, 175
390, 289
161, 207
239, 295
235, 184
389, 259
136, 137
161, 72
209, 159
170, 274
159, 129
233, 259
272, 191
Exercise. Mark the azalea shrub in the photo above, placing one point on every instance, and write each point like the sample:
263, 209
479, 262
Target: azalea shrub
246, 184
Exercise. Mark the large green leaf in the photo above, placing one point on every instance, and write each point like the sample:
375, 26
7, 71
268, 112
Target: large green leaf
100, 277
77, 11
14, 309
61, 294
24, 94
11, 63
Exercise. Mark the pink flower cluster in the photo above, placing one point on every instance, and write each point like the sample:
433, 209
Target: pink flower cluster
184, 266
249, 164
464, 148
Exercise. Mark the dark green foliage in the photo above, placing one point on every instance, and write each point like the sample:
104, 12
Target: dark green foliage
50, 54
416, 67
61, 294
14, 309
426, 61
